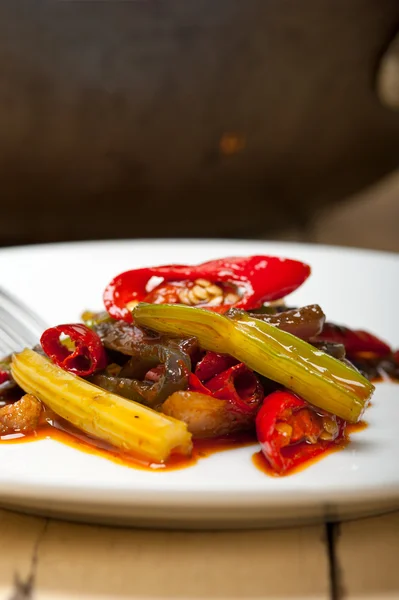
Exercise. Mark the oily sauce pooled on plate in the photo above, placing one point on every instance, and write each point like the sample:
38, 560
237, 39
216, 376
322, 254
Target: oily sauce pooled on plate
55, 428
63, 432
59, 430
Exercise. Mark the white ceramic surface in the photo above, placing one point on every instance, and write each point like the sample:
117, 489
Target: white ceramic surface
358, 288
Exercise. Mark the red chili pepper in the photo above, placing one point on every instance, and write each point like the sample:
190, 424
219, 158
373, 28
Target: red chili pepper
357, 343
289, 430
212, 364
259, 278
88, 355
236, 384
4, 376
396, 357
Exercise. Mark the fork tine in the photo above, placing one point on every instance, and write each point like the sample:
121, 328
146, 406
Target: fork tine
20, 327
16, 332
5, 347
27, 315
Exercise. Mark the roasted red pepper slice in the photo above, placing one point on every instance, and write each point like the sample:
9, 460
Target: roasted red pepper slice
237, 384
88, 355
259, 278
289, 430
357, 343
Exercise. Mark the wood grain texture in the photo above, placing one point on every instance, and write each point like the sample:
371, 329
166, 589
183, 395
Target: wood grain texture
19, 542
367, 554
78, 561
53, 560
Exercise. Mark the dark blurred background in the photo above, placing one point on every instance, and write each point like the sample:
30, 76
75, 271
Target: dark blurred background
226, 118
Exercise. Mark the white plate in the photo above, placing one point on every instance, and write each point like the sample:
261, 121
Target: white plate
358, 288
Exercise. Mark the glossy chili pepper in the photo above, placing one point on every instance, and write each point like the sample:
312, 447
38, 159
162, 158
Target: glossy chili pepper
236, 384
259, 279
305, 323
224, 402
7, 383
4, 376
87, 356
319, 378
212, 364
290, 432
157, 367
357, 343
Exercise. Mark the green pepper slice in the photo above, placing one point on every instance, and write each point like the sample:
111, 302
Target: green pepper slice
312, 374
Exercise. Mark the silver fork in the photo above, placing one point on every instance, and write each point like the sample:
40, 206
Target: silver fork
20, 327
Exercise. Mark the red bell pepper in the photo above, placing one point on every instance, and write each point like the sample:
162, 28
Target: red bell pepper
237, 384
259, 279
88, 355
289, 430
357, 343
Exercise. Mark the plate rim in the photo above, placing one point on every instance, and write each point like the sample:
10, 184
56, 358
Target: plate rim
114, 241
199, 499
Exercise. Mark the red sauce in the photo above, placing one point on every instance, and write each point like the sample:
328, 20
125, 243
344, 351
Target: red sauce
262, 464
63, 432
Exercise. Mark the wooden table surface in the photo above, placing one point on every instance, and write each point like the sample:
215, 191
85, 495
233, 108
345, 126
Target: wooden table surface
45, 559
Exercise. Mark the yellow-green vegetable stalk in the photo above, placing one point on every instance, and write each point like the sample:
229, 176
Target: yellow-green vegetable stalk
125, 424
317, 377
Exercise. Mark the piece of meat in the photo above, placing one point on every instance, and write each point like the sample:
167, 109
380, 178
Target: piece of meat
205, 416
21, 416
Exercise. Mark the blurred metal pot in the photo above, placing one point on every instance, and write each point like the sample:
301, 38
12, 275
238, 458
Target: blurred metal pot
190, 117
